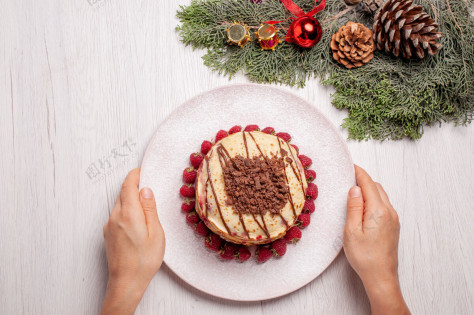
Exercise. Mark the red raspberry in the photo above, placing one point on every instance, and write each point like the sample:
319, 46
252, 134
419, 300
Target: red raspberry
189, 175
309, 206
228, 251
213, 242
243, 253
304, 220
285, 136
305, 161
279, 247
187, 191
192, 217
188, 205
196, 159
206, 146
310, 175
293, 235
312, 191
263, 254
269, 130
235, 129
252, 128
221, 134
201, 229
296, 148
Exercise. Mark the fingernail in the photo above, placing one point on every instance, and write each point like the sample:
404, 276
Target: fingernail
355, 192
147, 193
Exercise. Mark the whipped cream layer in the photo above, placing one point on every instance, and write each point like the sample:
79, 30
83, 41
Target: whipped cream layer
220, 213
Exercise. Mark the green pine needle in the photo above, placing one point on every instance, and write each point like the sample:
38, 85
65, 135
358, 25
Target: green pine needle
389, 98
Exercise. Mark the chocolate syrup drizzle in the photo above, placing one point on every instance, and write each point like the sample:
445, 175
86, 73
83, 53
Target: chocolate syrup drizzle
289, 196
224, 158
253, 215
264, 228
283, 153
215, 196
245, 143
292, 167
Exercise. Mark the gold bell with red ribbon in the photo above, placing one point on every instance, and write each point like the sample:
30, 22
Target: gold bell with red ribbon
267, 36
238, 34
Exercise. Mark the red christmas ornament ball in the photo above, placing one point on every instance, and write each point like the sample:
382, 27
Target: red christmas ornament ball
305, 32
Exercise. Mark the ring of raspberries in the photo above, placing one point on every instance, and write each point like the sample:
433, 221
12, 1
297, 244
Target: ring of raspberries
228, 250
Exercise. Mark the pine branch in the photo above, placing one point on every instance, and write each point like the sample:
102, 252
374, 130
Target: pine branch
388, 98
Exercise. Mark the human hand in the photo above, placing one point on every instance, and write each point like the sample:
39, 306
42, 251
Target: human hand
134, 244
371, 244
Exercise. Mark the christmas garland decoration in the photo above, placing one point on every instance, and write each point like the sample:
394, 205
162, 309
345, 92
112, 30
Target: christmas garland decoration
387, 97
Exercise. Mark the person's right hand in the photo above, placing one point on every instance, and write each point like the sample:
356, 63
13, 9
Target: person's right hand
134, 245
371, 244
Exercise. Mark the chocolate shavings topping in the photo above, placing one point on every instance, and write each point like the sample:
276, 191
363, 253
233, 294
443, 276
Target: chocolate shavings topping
256, 185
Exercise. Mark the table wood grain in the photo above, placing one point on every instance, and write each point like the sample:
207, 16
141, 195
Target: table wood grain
83, 86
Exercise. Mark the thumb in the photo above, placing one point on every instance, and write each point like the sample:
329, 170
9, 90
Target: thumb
147, 199
355, 207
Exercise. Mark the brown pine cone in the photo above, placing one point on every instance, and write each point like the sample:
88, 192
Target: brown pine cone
402, 28
352, 45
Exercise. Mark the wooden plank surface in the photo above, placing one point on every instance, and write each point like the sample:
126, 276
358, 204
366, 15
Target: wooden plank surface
83, 86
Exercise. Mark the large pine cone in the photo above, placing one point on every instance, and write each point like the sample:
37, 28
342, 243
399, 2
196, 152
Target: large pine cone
352, 45
403, 28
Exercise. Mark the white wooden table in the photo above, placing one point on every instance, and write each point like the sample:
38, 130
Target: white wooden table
84, 85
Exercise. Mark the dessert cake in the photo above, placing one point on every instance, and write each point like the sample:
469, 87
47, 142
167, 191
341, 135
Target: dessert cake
250, 188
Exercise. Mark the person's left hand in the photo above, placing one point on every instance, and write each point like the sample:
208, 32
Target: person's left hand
134, 244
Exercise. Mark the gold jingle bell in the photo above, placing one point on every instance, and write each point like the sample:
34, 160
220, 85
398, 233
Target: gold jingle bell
267, 36
238, 34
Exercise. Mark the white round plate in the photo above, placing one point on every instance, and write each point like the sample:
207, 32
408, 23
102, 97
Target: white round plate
199, 119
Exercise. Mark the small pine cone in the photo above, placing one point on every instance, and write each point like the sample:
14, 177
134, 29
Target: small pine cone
352, 45
402, 28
